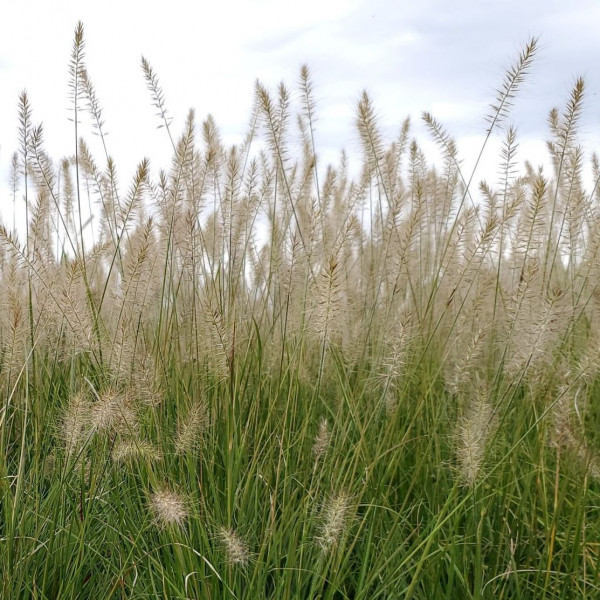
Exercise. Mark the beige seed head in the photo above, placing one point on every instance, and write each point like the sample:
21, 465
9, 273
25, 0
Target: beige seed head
148, 388
113, 413
75, 423
334, 519
129, 450
329, 301
321, 440
168, 508
562, 434
472, 434
191, 428
235, 547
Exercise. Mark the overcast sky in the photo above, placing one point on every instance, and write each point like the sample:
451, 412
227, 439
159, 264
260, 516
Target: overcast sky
444, 57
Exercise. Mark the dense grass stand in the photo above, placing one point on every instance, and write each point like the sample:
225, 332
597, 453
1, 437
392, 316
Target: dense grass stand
251, 376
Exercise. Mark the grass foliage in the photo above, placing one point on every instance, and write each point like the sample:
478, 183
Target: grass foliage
251, 376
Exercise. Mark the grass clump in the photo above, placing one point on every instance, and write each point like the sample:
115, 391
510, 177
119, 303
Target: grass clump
249, 376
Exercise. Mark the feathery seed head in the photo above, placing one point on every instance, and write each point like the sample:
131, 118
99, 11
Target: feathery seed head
168, 508
321, 440
462, 369
113, 413
334, 520
129, 450
75, 423
329, 298
236, 549
221, 336
472, 435
191, 428
149, 390
562, 434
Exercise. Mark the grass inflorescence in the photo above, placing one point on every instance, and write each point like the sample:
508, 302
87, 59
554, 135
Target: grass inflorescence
249, 376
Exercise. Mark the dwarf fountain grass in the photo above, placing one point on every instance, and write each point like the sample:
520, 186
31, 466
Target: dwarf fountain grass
426, 345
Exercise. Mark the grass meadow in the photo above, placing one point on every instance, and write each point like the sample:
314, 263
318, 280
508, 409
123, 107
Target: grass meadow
254, 376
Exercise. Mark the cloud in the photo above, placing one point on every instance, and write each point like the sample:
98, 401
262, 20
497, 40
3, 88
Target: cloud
447, 58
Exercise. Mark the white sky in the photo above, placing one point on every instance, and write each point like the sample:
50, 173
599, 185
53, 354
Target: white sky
434, 55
